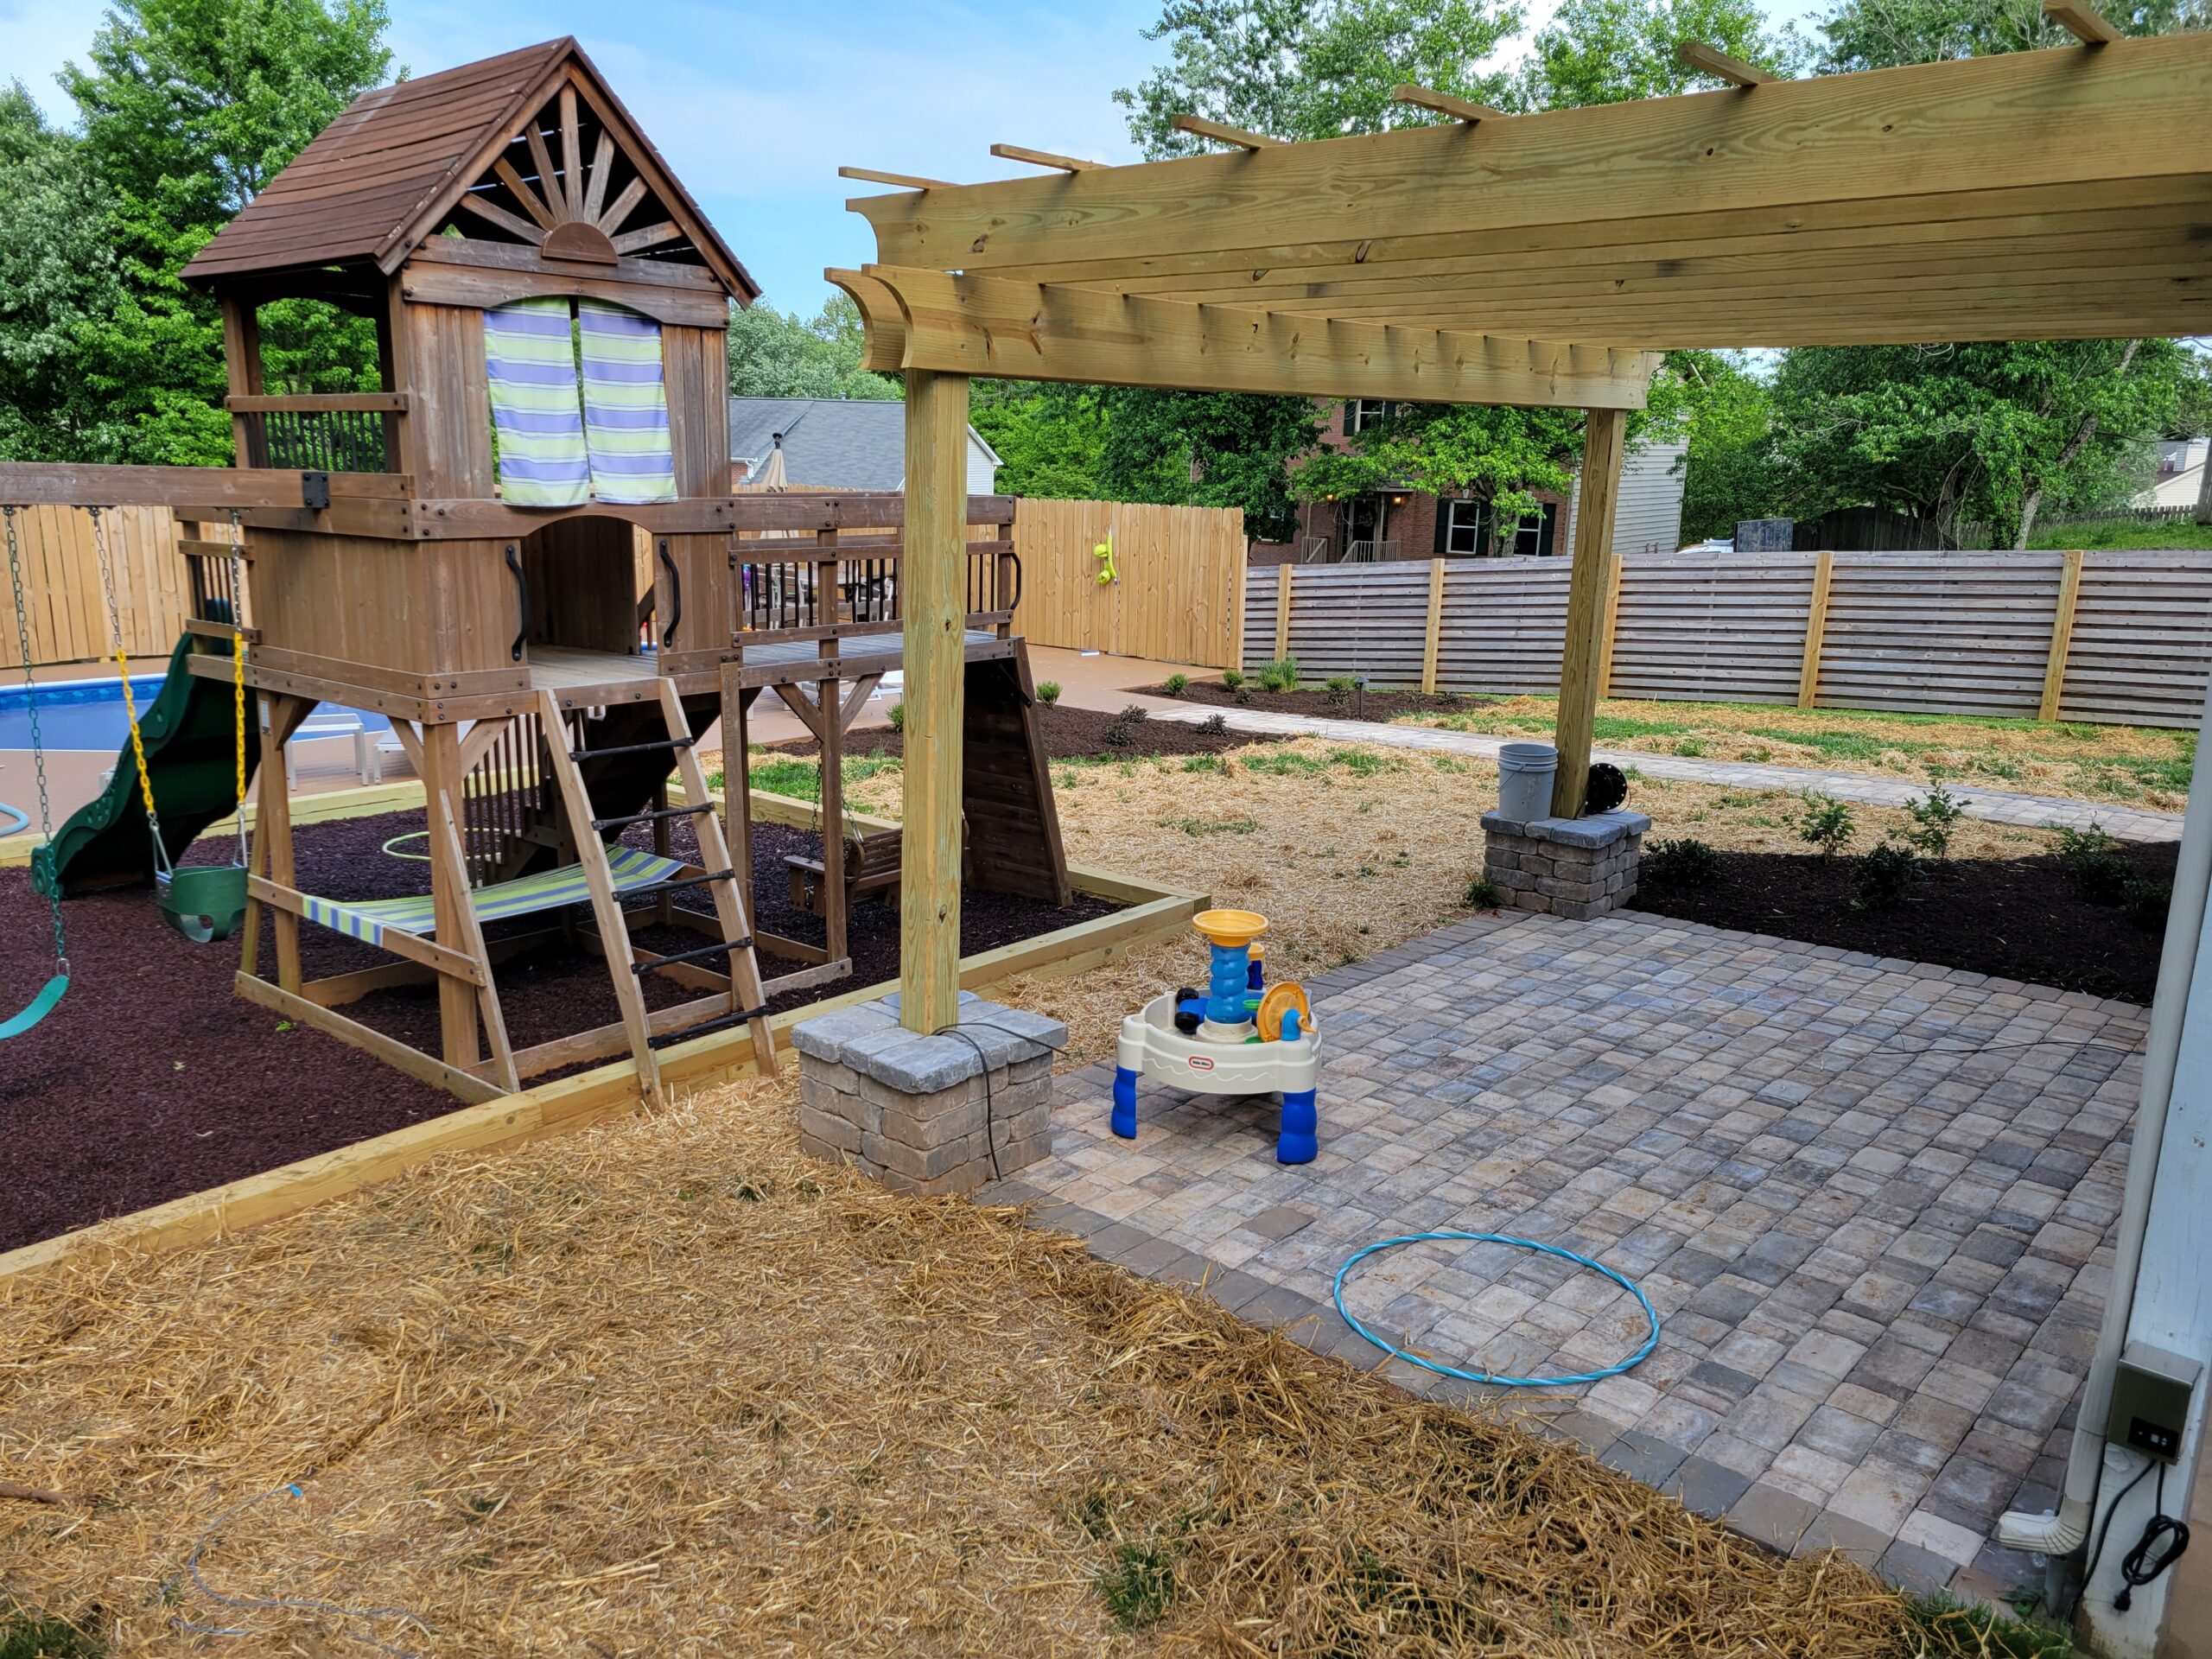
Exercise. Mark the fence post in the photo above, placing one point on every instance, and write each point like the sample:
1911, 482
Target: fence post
2062, 636
1236, 651
1282, 611
1612, 622
1816, 627
1435, 626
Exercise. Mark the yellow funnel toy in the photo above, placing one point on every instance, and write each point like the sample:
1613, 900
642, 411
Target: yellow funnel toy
1230, 929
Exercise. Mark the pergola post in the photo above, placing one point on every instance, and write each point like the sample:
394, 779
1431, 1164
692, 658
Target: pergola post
1603, 434
933, 586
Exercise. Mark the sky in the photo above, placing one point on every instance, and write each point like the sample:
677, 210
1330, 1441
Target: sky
756, 105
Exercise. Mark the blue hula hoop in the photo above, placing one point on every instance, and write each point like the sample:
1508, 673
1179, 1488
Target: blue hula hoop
1650, 1341
22, 819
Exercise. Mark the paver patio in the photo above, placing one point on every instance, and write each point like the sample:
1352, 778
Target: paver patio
1869, 1198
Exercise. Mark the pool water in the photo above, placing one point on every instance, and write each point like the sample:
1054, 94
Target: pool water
89, 714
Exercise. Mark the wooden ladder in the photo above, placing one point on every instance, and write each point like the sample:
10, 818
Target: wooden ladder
742, 1003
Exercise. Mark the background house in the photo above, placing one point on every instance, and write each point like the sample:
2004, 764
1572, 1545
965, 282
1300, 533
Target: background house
1409, 523
836, 443
2179, 480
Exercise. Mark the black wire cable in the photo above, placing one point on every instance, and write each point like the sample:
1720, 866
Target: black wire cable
2097, 1554
983, 1058
2137, 1568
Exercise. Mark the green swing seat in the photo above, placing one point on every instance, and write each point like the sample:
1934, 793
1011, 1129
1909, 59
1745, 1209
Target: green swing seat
37, 1009
204, 902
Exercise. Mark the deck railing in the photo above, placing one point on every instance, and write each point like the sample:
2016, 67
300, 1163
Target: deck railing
337, 432
803, 586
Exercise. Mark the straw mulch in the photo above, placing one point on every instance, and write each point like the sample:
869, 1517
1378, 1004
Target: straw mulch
672, 1388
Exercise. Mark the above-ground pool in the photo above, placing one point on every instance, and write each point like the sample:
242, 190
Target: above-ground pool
90, 714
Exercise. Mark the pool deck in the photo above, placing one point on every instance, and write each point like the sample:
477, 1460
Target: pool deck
1871, 1199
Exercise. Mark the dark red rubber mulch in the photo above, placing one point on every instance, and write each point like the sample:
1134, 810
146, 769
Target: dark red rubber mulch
153, 1079
1068, 734
2021, 918
1369, 702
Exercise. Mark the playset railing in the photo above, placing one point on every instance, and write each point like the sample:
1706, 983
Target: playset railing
812, 587
339, 432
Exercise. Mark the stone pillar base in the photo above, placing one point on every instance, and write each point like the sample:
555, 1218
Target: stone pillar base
928, 1114
1575, 867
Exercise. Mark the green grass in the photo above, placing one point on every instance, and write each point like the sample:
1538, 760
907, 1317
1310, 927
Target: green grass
1942, 1628
1138, 1584
1211, 826
26, 1635
1840, 746
780, 774
2125, 532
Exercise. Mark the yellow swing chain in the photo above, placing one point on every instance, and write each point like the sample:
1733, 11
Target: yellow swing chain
130, 700
238, 673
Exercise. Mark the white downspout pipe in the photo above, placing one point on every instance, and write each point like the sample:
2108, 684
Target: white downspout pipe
2062, 1533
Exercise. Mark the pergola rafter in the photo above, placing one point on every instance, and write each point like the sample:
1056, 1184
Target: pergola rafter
1542, 259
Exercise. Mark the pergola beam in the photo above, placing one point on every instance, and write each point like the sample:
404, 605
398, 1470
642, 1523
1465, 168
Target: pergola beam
1199, 127
896, 181
2082, 21
1711, 61
1043, 158
1899, 148
972, 325
1459, 109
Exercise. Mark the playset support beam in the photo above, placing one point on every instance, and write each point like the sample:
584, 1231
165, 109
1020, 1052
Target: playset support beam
1603, 436
935, 601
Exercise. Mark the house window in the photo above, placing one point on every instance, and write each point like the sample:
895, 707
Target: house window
1467, 527
1364, 412
1532, 536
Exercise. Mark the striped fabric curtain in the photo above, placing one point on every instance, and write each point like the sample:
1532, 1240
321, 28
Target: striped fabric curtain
626, 405
530, 358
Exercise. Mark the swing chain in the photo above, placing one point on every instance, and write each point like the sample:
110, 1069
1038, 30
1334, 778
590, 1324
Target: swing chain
238, 673
129, 700
38, 745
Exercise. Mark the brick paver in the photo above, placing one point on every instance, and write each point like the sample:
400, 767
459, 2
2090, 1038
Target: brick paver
1991, 806
1870, 1199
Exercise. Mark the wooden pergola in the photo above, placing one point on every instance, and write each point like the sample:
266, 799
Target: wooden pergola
1537, 260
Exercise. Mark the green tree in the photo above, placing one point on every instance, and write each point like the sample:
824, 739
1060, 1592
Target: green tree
779, 355
189, 107
1879, 34
1611, 51
1297, 69
1501, 456
1051, 439
1732, 470
57, 273
1996, 432
1208, 449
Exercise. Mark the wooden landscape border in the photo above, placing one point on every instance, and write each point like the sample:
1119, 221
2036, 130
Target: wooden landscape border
571, 1104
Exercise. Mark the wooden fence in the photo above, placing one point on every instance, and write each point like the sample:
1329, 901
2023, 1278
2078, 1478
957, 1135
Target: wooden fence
2122, 635
67, 615
1178, 590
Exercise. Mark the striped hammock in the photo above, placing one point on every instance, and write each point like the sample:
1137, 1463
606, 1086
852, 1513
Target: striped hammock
556, 450
368, 919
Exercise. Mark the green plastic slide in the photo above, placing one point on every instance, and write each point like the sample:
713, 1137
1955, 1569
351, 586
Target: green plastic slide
191, 755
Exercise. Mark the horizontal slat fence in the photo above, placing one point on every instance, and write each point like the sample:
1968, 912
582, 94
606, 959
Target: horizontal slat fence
67, 615
1178, 594
1917, 633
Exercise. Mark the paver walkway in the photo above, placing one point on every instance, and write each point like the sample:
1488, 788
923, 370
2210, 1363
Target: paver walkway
1870, 1199
1993, 805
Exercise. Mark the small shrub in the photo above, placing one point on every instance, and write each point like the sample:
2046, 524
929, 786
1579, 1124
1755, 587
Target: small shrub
897, 716
1281, 675
1135, 714
1681, 862
1934, 818
1482, 894
2147, 900
1231, 678
1244, 695
1827, 822
1883, 875
1337, 690
1606, 789
1048, 692
2092, 858
1214, 725
1118, 734
1176, 684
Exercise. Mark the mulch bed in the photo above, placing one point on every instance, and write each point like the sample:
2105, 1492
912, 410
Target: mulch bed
153, 1079
1069, 734
2012, 919
1369, 704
